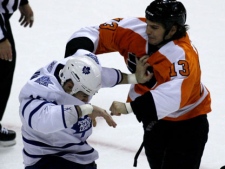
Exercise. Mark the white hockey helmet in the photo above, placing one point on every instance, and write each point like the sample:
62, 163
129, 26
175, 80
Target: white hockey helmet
85, 72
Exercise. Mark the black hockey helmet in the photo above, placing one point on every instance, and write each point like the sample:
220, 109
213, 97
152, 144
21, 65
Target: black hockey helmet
166, 12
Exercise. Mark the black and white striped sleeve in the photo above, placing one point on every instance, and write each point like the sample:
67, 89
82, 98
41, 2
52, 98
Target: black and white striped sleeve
3, 34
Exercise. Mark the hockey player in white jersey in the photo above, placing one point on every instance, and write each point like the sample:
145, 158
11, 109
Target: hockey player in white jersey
56, 116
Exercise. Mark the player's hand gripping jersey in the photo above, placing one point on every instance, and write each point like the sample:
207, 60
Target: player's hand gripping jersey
175, 93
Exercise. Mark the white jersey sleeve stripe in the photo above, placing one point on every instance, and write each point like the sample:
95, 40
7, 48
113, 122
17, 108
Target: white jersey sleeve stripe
35, 111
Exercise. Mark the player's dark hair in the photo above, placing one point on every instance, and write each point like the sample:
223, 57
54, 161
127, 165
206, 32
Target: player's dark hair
181, 32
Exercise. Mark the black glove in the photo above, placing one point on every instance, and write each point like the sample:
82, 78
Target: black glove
131, 62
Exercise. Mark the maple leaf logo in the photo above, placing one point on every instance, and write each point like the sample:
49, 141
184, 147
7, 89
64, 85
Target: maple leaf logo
86, 70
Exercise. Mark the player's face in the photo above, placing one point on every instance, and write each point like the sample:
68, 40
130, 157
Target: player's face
155, 32
68, 86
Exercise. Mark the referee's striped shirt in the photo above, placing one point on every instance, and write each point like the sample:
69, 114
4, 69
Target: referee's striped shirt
8, 7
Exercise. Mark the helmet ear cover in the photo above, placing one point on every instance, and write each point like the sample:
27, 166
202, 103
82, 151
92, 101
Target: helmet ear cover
85, 72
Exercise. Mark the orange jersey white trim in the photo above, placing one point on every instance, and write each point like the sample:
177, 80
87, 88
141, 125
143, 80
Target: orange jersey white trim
178, 94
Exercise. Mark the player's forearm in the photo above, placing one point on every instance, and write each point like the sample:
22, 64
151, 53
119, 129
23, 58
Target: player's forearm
144, 108
50, 118
128, 79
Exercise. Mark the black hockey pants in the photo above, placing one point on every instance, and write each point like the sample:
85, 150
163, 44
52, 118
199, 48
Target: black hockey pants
6, 70
176, 145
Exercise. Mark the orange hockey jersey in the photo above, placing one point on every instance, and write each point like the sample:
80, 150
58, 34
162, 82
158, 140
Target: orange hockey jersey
178, 93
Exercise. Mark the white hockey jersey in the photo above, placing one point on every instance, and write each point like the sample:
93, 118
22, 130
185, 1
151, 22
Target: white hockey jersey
44, 108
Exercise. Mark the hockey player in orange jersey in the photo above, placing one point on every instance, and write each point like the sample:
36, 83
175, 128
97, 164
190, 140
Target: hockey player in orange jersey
173, 105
